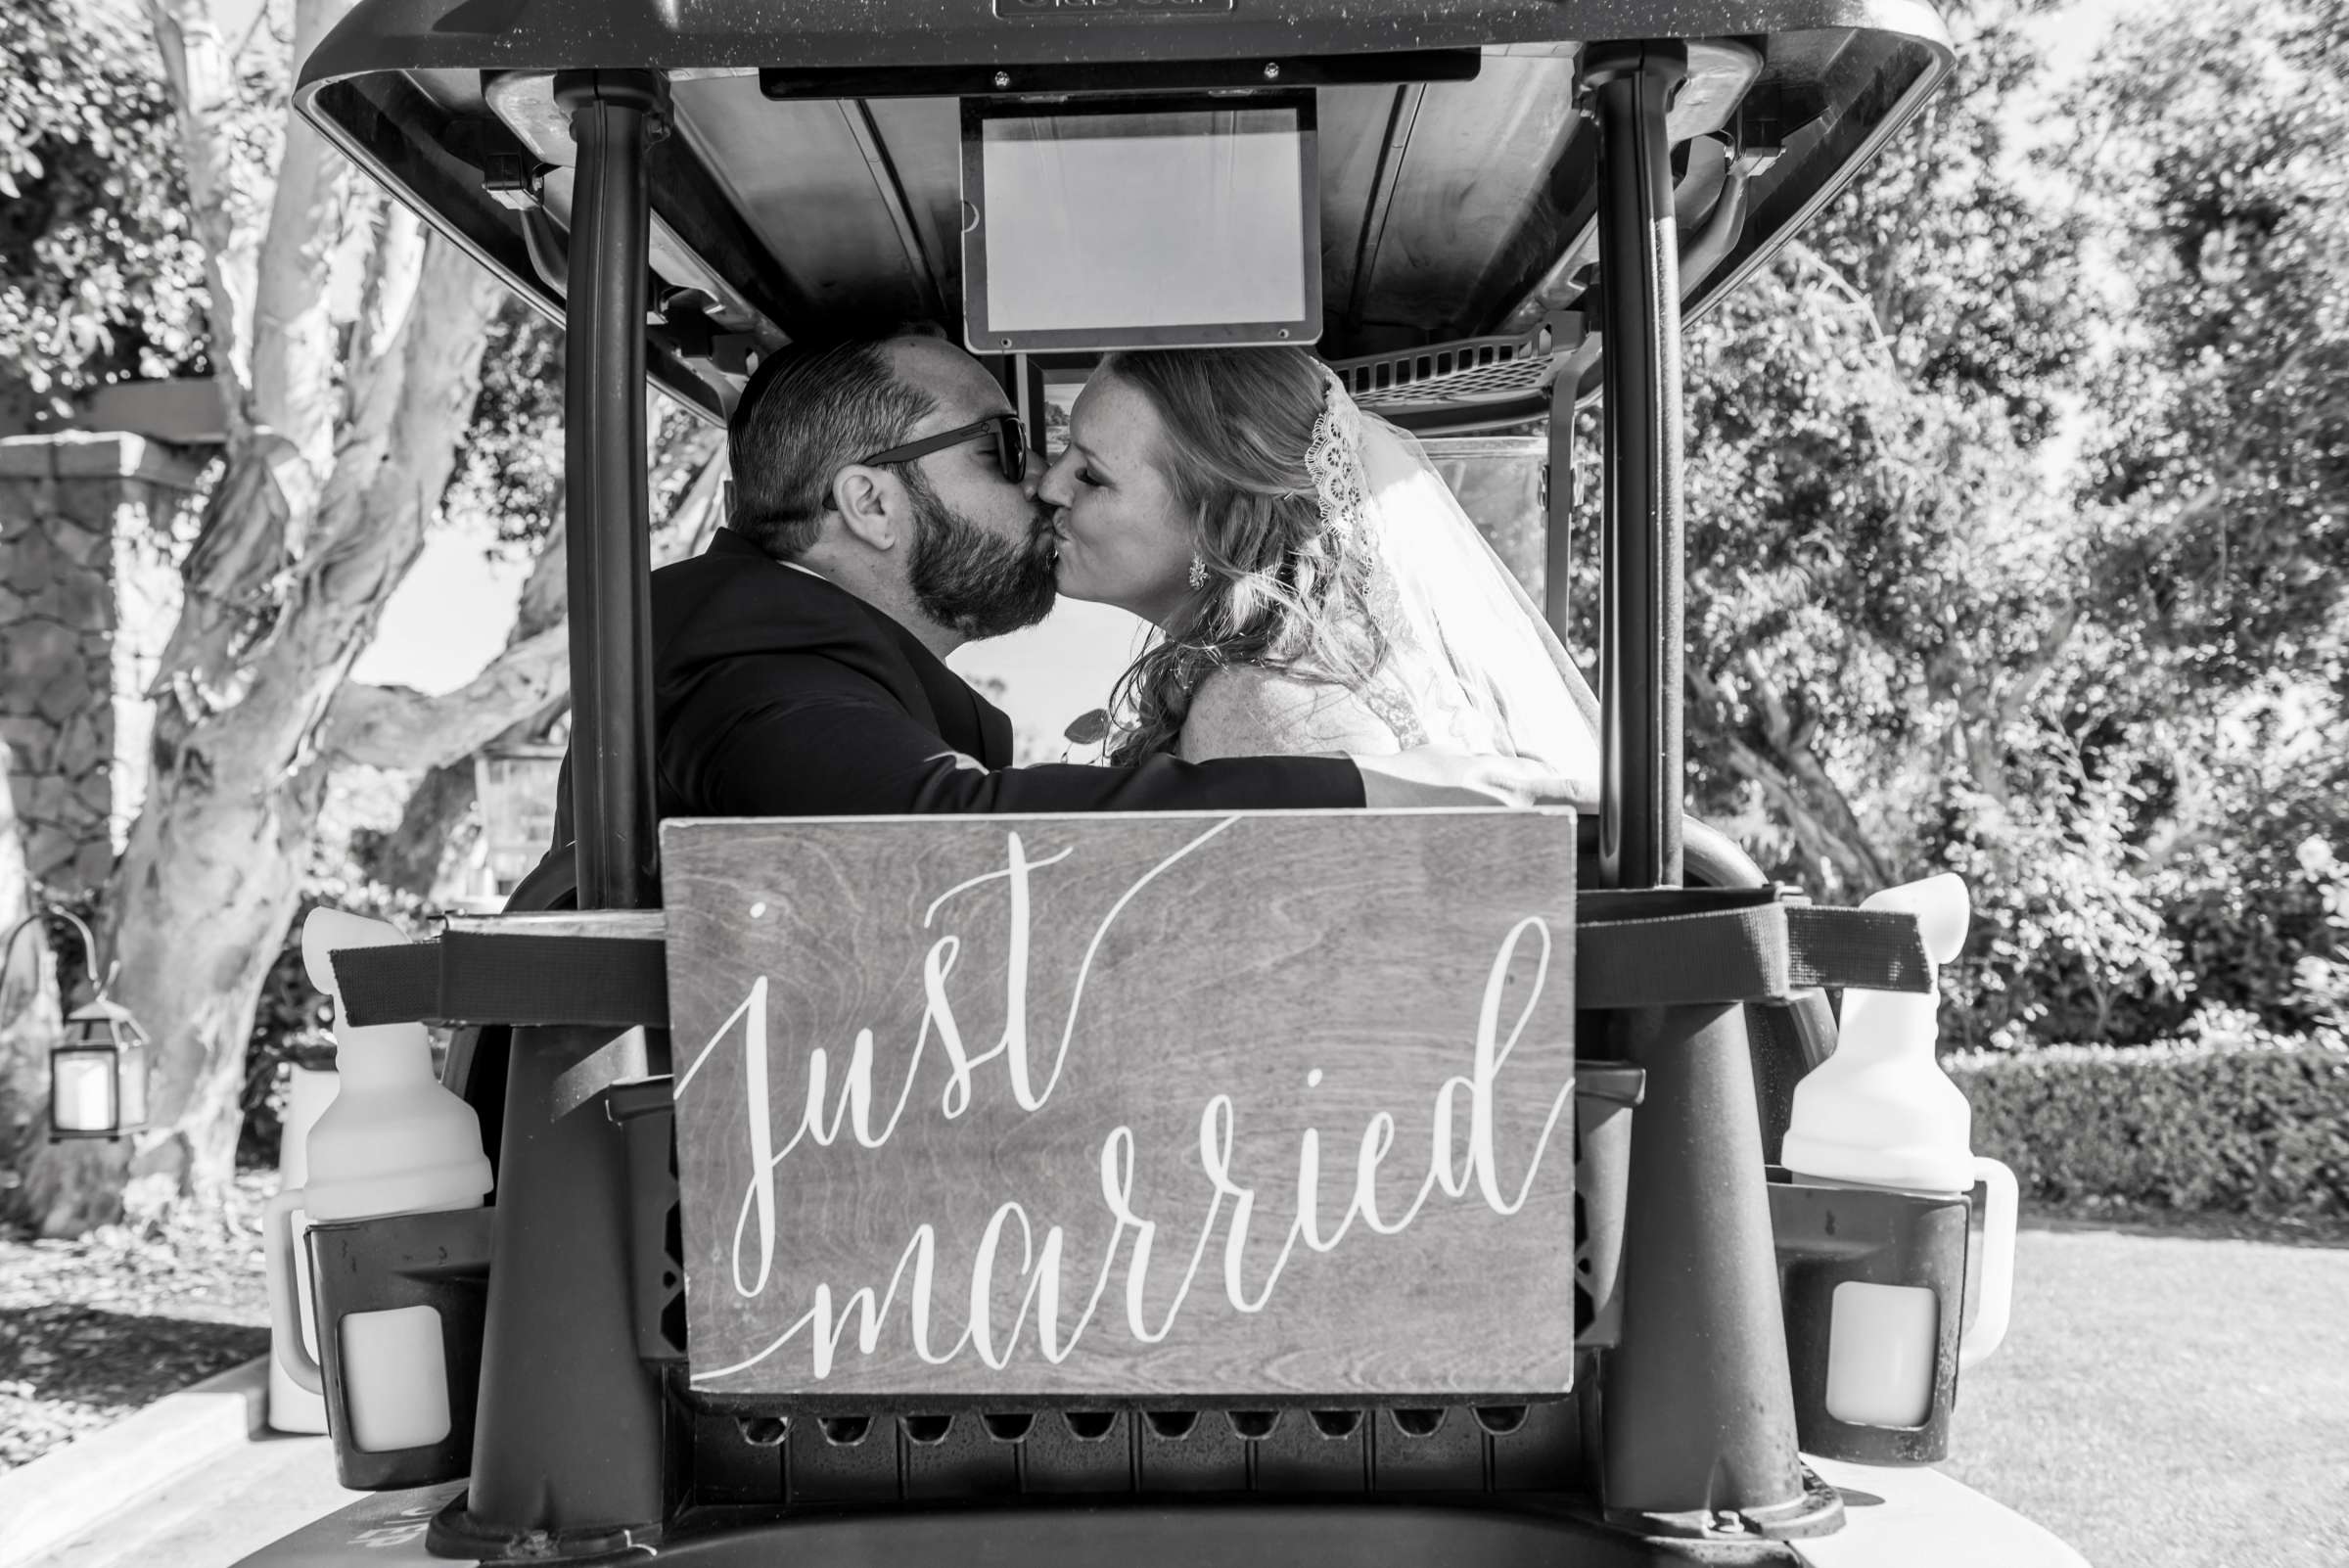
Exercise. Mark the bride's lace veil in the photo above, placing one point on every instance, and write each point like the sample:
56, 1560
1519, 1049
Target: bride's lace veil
1481, 669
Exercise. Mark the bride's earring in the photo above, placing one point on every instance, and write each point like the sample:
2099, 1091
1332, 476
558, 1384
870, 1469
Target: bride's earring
1198, 574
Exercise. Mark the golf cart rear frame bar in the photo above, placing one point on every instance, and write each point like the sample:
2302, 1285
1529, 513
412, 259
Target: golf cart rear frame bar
1628, 88
616, 116
572, 1459
1697, 1410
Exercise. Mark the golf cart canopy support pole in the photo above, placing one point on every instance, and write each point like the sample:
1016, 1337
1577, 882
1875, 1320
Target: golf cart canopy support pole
1641, 534
615, 115
569, 1458
1698, 1409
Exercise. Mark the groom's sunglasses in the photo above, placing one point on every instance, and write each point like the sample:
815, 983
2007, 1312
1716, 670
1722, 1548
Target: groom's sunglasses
1011, 445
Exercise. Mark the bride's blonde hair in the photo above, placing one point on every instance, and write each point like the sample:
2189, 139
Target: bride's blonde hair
1282, 591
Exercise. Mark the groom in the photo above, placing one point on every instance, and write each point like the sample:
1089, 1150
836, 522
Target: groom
882, 516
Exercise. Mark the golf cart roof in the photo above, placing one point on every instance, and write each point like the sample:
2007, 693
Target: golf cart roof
815, 162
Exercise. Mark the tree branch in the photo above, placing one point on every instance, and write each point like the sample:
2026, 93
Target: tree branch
292, 368
251, 564
398, 727
273, 347
394, 726
542, 600
1820, 267
2025, 679
291, 639
202, 79
695, 516
1769, 752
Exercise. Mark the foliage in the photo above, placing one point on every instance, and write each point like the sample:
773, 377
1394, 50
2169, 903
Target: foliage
2117, 714
2218, 483
2323, 980
511, 467
1873, 578
2251, 873
2212, 138
2069, 939
2234, 1124
1886, 667
1975, 285
100, 276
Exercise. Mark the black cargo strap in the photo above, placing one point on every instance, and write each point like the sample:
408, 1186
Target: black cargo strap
1764, 952
1767, 953
472, 978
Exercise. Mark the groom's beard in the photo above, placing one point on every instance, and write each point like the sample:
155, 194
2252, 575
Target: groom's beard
967, 579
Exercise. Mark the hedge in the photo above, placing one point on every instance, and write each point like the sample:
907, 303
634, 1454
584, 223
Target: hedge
2217, 1130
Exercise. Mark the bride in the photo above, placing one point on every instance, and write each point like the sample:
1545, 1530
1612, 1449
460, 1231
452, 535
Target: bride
1315, 586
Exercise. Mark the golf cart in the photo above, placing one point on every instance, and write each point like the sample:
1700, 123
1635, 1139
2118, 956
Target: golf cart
1479, 213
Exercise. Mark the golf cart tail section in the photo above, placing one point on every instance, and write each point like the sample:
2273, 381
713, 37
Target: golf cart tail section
787, 1452
1517, 203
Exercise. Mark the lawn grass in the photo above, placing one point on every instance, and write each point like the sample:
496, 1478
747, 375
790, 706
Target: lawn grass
2165, 1401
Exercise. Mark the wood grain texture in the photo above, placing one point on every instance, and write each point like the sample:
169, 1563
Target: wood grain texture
1247, 1003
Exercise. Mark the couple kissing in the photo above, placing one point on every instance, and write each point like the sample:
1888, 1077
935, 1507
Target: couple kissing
1333, 631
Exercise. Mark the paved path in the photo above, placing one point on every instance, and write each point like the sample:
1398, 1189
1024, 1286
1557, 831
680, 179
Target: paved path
216, 1515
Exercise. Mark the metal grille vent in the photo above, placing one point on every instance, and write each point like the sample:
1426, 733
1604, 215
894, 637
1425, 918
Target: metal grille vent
1471, 370
885, 1458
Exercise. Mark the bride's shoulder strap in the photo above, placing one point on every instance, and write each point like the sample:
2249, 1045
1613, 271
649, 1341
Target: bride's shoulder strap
1250, 710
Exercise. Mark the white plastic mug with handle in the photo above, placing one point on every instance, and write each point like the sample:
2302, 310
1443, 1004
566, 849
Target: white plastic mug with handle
285, 1296
1986, 1330
393, 1142
394, 1370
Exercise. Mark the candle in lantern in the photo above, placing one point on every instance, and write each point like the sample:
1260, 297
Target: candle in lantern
85, 1091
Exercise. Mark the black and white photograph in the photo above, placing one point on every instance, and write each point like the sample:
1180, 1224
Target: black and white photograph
1311, 783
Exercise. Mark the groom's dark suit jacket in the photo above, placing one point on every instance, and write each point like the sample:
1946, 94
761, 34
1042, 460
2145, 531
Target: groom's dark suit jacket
776, 693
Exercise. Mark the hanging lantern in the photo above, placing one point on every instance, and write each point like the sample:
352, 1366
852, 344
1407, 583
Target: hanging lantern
97, 1072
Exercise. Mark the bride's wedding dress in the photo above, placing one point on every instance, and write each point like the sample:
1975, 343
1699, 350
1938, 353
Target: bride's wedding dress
1471, 665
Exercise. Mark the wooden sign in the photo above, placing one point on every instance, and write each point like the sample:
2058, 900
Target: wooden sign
1126, 1106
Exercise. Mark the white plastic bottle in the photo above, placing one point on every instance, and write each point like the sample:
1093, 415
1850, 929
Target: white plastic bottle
310, 1089
395, 1141
1881, 1113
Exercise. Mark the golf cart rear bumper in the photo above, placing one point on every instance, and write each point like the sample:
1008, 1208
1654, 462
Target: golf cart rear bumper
1909, 1518
1921, 1518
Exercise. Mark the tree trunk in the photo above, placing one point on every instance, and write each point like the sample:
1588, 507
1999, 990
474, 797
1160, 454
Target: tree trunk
340, 435
199, 901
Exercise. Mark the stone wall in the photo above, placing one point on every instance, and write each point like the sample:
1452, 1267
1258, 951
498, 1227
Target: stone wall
88, 594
